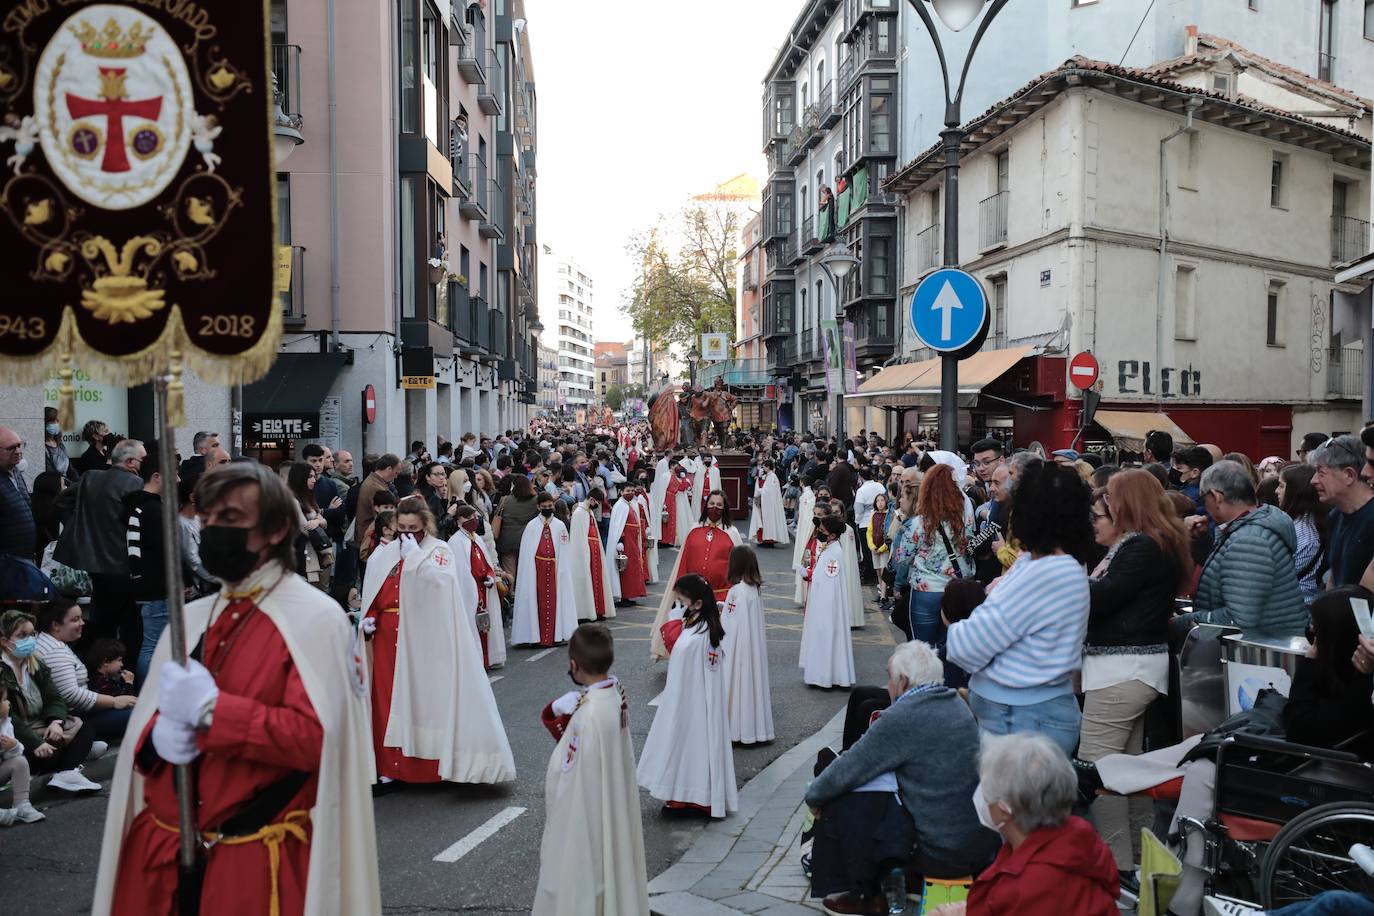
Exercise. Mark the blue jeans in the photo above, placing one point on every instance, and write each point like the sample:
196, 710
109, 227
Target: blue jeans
1057, 719
154, 621
926, 624
1330, 903
109, 724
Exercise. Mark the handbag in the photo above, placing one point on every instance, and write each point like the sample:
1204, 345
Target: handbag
953, 557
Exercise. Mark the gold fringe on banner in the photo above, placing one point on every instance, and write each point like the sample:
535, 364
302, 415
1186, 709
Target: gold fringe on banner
176, 391
66, 392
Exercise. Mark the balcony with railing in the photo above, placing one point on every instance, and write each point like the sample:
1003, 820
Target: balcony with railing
1349, 238
477, 205
829, 104
457, 156
928, 248
1345, 375
286, 68
796, 143
472, 62
744, 372
809, 238
809, 346
496, 342
992, 220
293, 297
780, 155
811, 122
492, 89
492, 226
848, 66
460, 310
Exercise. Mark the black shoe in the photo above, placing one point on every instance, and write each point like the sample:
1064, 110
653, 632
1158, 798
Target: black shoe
386, 788
1089, 780
1129, 882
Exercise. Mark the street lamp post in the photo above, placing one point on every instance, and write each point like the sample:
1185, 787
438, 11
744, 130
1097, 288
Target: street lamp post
955, 14
837, 262
692, 357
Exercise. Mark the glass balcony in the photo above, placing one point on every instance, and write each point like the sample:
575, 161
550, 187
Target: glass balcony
491, 93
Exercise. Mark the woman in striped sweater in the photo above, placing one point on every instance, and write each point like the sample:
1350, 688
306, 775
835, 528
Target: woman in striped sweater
1023, 645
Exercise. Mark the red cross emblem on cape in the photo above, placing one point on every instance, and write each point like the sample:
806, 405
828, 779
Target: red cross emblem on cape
832, 569
441, 558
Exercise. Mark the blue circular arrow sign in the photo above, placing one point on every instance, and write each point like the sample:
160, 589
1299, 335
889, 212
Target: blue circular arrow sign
948, 309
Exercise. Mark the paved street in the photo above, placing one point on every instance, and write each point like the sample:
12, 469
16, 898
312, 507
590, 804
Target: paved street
486, 839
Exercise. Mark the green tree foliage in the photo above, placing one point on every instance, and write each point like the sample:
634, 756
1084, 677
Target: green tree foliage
616, 395
686, 287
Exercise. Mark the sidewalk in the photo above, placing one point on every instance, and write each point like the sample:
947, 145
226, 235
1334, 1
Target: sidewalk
749, 862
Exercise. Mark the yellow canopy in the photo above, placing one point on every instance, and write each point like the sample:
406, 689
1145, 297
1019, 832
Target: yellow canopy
918, 384
1129, 427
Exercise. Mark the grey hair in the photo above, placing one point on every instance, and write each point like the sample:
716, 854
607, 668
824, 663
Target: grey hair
918, 663
1342, 453
1031, 775
199, 439
123, 451
1231, 480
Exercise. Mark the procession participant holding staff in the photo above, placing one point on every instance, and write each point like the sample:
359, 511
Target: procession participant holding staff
625, 538
706, 552
591, 859
591, 564
677, 500
434, 717
706, 482
274, 714
650, 533
477, 578
805, 520
827, 652
545, 612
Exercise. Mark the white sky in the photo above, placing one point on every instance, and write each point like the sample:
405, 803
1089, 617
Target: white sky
641, 106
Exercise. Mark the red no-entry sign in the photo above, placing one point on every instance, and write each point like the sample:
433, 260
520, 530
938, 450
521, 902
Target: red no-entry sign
370, 404
1083, 370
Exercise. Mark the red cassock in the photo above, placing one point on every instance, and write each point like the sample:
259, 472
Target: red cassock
632, 577
386, 608
596, 570
707, 553
481, 571
676, 485
644, 539
758, 494
546, 582
264, 729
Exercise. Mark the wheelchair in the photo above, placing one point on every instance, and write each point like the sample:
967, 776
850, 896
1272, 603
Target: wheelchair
1284, 821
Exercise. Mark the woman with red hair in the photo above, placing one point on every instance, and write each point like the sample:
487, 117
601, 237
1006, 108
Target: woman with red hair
940, 537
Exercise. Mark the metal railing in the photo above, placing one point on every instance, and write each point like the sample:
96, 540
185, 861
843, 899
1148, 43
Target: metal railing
992, 220
735, 372
1345, 373
460, 310
1349, 238
490, 93
810, 345
847, 68
807, 234
481, 322
293, 299
1326, 65
928, 248
497, 325
471, 60
286, 67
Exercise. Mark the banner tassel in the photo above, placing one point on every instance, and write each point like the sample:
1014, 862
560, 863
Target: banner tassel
66, 395
176, 392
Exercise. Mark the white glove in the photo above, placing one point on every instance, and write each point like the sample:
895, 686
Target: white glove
184, 693
567, 703
174, 742
677, 611
368, 626
488, 582
620, 547
408, 545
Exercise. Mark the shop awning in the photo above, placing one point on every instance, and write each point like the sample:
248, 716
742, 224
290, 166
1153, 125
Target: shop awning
918, 384
285, 404
1128, 428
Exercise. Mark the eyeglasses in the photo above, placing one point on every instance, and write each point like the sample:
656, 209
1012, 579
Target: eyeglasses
13, 448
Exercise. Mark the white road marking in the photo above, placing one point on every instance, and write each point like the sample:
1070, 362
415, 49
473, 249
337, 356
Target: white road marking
485, 832
492, 679
538, 655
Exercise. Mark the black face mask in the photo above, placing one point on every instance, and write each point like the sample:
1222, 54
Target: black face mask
224, 553
546, 512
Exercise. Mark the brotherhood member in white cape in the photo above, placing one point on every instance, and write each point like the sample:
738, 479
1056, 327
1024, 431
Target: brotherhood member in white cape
276, 705
746, 652
688, 761
854, 590
545, 612
658, 498
805, 522
590, 563
827, 653
649, 531
477, 584
767, 520
677, 500
591, 860
706, 482
434, 718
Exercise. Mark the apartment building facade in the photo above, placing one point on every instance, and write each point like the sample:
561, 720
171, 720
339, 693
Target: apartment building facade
567, 303
1213, 308
547, 404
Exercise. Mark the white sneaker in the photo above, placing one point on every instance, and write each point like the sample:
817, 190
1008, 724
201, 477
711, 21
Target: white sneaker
28, 814
98, 749
7, 817
1222, 906
72, 781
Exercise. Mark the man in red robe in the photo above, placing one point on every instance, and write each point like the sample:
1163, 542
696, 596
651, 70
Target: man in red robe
626, 536
259, 728
641, 502
483, 577
596, 566
678, 482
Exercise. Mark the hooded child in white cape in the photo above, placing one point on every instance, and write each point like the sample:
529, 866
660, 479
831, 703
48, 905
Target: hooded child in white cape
827, 653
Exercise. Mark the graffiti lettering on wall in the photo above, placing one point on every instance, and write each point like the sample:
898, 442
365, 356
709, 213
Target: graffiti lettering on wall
1134, 376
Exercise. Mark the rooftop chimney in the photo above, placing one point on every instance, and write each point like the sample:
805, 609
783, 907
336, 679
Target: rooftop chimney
1190, 42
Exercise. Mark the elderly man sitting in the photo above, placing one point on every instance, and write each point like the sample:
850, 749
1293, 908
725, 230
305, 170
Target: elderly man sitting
906, 783
1249, 580
1051, 863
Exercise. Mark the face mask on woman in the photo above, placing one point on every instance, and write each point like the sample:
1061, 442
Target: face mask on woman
25, 647
981, 808
470, 525
714, 513
53, 430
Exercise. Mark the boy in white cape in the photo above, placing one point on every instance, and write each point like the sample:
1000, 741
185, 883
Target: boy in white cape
545, 600
827, 652
767, 520
591, 859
